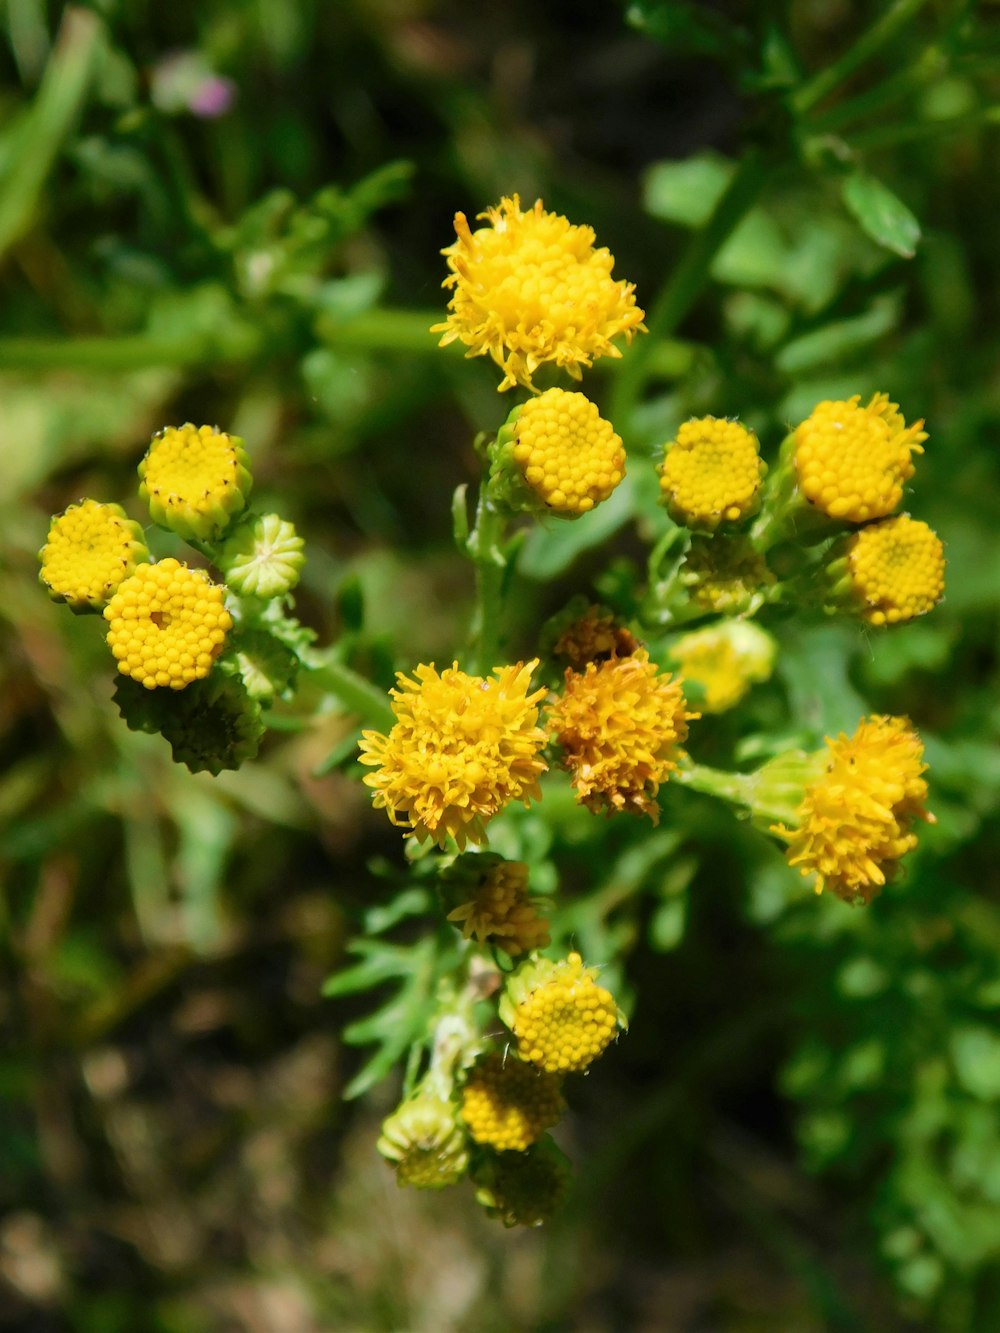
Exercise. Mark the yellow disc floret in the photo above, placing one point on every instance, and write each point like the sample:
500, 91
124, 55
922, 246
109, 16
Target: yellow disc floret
854, 822
620, 724
499, 910
711, 473
896, 569
567, 455
562, 1019
167, 624
195, 479
852, 461
509, 1105
461, 749
91, 548
530, 288
724, 660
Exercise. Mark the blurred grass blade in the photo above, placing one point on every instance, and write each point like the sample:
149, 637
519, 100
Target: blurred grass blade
41, 134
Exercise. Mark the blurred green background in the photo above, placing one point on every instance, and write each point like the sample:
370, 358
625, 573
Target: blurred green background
232, 213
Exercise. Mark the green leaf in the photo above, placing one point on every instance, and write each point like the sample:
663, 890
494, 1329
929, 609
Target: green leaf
686, 192
881, 215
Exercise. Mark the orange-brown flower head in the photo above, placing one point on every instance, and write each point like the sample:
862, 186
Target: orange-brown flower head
852, 461
461, 749
530, 289
508, 1105
711, 474
854, 823
593, 637
620, 724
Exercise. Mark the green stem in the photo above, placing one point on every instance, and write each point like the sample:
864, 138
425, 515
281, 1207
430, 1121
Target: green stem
358, 695
871, 40
736, 788
890, 135
485, 547
127, 353
875, 100
384, 330
689, 277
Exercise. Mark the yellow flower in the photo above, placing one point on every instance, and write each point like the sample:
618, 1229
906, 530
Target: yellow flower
725, 575
167, 624
530, 289
91, 548
508, 1105
195, 479
852, 462
725, 660
499, 910
895, 570
461, 749
711, 473
556, 454
562, 1019
854, 822
424, 1143
523, 1188
620, 724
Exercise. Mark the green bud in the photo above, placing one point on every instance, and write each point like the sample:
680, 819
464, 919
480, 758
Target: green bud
424, 1142
523, 1188
262, 556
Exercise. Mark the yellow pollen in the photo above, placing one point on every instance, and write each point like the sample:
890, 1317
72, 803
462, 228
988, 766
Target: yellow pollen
167, 625
530, 288
896, 569
91, 549
461, 749
711, 473
852, 461
567, 453
509, 1105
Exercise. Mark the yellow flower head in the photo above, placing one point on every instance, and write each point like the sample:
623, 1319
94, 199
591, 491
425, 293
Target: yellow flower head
711, 473
461, 749
558, 452
195, 479
854, 822
499, 910
725, 575
895, 569
725, 660
852, 461
593, 637
91, 548
530, 289
507, 1104
562, 1019
620, 724
167, 624
523, 1188
424, 1143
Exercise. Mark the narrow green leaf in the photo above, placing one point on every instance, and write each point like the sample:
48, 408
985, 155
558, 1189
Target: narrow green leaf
881, 214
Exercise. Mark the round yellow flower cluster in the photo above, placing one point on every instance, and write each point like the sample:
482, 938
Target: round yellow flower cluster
461, 749
567, 454
852, 461
90, 549
620, 724
530, 289
711, 473
167, 624
896, 569
562, 1019
854, 822
195, 479
725, 660
507, 1105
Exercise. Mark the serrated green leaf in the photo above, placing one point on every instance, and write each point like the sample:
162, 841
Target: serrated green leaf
881, 214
